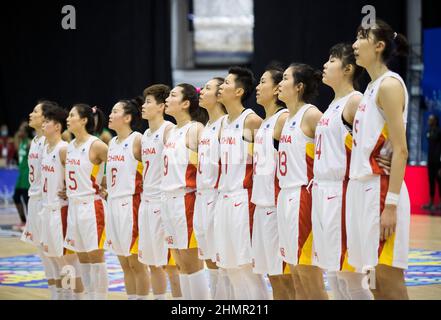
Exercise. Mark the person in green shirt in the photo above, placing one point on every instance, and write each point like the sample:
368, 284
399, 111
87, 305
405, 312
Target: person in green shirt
22, 140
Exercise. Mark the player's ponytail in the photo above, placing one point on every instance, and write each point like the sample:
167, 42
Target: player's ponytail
132, 107
94, 116
309, 77
190, 93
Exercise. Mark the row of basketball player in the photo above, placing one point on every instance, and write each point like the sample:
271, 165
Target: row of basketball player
290, 196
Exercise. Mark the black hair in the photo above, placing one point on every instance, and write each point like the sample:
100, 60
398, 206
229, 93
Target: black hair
244, 79
275, 69
190, 93
159, 91
133, 107
85, 111
345, 53
396, 43
310, 77
46, 104
58, 115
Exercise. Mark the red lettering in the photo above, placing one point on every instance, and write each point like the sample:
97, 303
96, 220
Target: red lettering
285, 139
148, 151
73, 162
115, 158
205, 142
47, 168
228, 140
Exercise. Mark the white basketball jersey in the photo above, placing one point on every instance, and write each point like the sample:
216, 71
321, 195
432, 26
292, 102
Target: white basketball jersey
209, 156
83, 178
123, 171
34, 163
265, 182
178, 162
236, 156
333, 143
152, 146
52, 175
296, 153
370, 132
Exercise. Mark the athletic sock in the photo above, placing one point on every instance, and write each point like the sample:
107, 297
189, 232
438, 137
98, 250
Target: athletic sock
140, 297
199, 285
185, 286
159, 296
86, 278
60, 293
131, 296
238, 283
53, 292
256, 285
354, 286
100, 281
337, 292
68, 294
214, 280
222, 287
78, 296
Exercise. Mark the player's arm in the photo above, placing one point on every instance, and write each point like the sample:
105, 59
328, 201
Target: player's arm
351, 108
390, 98
194, 135
98, 155
309, 123
279, 125
167, 132
137, 148
251, 125
63, 152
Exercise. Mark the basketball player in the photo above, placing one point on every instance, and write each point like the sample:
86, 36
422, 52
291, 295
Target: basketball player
296, 155
85, 160
153, 249
378, 215
32, 232
207, 180
265, 240
124, 187
333, 143
178, 185
54, 207
234, 212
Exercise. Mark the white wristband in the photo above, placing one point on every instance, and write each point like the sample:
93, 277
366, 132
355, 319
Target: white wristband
392, 198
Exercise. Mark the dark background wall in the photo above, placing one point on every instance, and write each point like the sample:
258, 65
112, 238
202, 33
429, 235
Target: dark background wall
118, 48
304, 31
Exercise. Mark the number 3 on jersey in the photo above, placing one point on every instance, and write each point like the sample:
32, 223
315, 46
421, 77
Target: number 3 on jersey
282, 163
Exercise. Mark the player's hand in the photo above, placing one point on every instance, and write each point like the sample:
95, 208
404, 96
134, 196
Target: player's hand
62, 194
388, 222
384, 163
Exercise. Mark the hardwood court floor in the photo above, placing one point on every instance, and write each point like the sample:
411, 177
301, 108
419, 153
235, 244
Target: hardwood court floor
425, 234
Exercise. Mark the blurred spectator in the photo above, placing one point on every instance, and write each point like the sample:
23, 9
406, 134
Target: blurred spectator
433, 161
22, 140
7, 149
